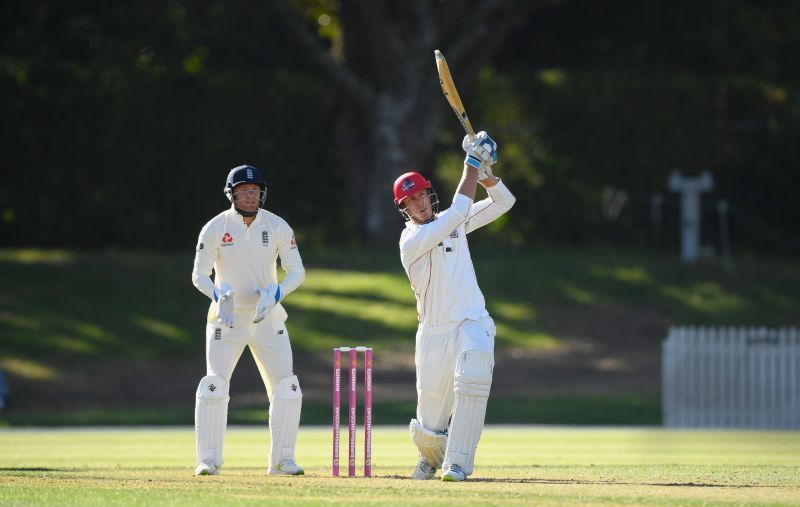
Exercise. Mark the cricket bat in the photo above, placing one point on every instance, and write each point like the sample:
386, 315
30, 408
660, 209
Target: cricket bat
450, 92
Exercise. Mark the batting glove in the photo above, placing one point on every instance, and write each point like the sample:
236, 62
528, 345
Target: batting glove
268, 297
481, 153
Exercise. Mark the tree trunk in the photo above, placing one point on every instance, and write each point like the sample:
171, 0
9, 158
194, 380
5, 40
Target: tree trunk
392, 106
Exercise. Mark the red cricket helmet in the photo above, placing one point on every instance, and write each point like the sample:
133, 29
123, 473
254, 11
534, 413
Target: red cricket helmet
409, 184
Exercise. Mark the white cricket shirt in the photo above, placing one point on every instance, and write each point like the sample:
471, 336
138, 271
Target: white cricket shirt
246, 256
438, 263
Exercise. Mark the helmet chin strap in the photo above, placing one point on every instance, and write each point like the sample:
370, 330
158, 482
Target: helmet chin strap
431, 219
242, 212
245, 213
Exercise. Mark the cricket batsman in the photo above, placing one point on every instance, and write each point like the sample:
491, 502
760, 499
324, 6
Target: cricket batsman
242, 245
454, 351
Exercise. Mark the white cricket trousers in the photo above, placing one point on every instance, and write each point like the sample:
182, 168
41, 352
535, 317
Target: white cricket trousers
268, 341
436, 353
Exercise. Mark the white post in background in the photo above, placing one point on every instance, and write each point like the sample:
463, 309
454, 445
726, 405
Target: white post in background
690, 189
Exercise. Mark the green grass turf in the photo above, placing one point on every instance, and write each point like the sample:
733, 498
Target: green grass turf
514, 466
97, 305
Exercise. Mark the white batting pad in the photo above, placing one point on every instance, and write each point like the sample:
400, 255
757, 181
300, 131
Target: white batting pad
473, 382
210, 419
284, 419
431, 444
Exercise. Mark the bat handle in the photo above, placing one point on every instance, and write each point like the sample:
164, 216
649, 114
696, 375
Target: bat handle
468, 127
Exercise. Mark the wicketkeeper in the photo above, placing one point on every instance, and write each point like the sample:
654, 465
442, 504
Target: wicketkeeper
242, 245
455, 338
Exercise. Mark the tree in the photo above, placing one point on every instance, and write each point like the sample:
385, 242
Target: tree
381, 61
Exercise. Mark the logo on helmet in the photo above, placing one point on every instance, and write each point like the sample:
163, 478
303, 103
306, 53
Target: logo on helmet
249, 174
408, 184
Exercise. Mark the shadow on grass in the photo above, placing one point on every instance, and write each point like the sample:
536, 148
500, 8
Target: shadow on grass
535, 480
578, 410
142, 304
32, 469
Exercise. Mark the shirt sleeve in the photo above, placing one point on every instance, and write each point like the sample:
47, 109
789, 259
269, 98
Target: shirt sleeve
290, 260
204, 258
425, 237
488, 210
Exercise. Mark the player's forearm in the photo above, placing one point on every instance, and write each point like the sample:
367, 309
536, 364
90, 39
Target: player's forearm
501, 195
201, 271
292, 280
469, 182
489, 182
203, 284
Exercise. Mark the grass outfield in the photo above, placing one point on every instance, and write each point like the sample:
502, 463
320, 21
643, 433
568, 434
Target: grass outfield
515, 466
95, 305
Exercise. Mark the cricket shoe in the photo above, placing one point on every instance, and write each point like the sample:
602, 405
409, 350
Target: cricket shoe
287, 467
206, 469
423, 471
454, 474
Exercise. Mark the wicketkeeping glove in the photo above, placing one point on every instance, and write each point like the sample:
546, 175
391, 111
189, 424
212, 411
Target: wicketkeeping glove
224, 299
481, 153
268, 297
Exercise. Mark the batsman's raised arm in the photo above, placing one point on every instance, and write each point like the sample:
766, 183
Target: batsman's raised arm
500, 200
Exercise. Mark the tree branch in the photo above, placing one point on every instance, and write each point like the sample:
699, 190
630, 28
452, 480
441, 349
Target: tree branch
354, 88
491, 21
426, 21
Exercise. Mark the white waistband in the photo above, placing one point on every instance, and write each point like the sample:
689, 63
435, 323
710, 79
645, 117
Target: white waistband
443, 328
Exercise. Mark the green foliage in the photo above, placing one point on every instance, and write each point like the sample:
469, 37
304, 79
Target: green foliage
614, 95
124, 126
121, 123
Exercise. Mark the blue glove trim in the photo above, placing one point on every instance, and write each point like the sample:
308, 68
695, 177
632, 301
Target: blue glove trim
489, 141
474, 162
278, 294
215, 295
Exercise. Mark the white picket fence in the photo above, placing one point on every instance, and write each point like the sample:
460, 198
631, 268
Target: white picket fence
731, 377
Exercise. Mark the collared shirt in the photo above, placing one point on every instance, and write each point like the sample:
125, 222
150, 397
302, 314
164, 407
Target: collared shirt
246, 256
437, 261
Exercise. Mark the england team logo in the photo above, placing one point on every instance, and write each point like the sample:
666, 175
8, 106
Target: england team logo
265, 237
249, 174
